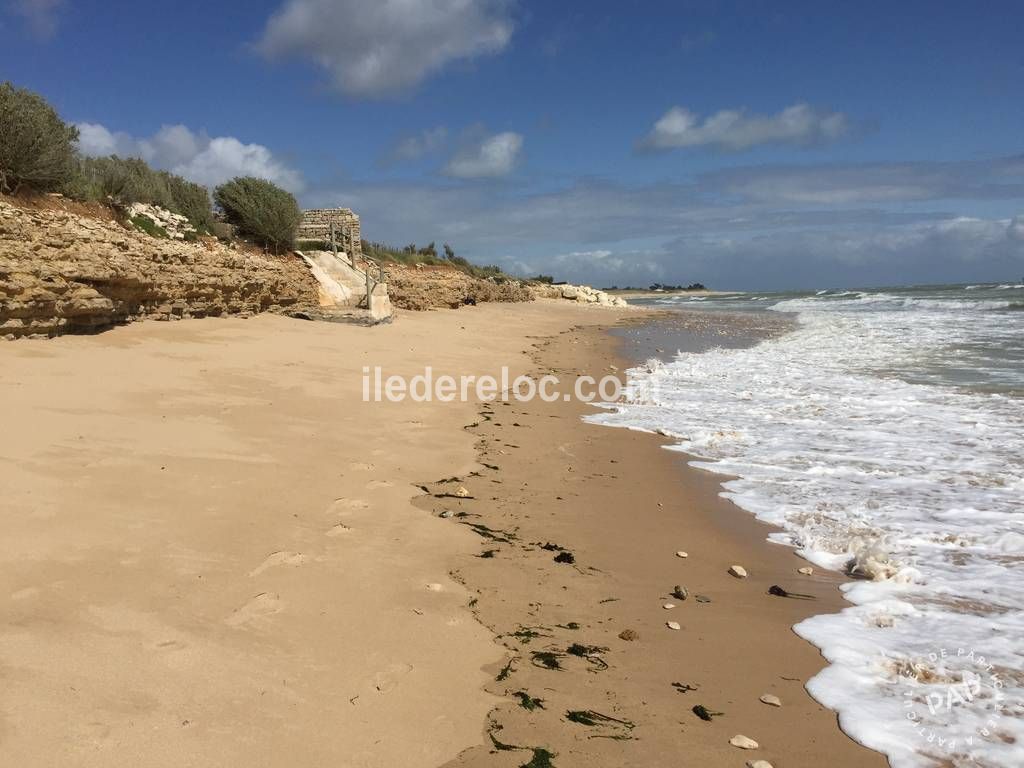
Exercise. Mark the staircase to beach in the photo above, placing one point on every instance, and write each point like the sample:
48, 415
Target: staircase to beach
348, 293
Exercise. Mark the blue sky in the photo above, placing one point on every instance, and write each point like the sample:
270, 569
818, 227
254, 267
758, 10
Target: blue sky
750, 145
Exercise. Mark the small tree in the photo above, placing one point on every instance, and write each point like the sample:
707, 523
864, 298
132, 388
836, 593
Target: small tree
37, 148
261, 210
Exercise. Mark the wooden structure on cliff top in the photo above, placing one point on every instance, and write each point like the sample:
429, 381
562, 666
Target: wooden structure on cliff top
316, 225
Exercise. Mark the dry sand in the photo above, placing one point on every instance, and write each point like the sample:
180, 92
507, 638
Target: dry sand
211, 557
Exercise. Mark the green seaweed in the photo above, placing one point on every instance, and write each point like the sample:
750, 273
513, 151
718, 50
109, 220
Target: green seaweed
704, 713
490, 533
528, 702
594, 719
541, 759
498, 745
583, 651
505, 671
547, 659
590, 653
581, 716
526, 634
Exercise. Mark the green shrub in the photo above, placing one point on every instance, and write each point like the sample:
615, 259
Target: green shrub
37, 148
261, 210
190, 200
125, 180
148, 226
128, 180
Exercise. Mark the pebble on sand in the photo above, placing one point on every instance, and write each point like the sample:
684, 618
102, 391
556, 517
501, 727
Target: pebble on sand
758, 764
462, 492
669, 606
743, 742
771, 700
629, 634
738, 571
673, 625
680, 592
682, 554
806, 570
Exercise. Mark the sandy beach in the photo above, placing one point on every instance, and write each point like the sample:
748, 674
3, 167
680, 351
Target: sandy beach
216, 554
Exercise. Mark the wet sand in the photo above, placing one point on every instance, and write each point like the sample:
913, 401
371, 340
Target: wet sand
593, 676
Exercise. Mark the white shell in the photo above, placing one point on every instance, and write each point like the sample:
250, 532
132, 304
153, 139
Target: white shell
743, 742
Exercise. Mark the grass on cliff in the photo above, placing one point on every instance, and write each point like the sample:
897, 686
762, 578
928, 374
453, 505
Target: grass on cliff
410, 255
131, 180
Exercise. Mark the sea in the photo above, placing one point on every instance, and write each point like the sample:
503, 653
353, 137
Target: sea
883, 434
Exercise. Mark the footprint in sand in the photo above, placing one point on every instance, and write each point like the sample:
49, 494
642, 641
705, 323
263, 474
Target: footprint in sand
339, 530
387, 679
279, 558
378, 484
263, 606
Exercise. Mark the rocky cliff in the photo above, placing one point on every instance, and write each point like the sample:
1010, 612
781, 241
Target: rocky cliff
61, 272
426, 287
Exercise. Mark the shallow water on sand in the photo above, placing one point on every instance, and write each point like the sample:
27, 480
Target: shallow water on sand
884, 434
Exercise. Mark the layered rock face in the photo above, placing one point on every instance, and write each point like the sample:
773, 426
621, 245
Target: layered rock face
426, 287
65, 273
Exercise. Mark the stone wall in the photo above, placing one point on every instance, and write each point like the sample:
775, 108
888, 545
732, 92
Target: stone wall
65, 273
316, 225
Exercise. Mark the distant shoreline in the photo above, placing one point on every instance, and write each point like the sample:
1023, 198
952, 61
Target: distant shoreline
628, 293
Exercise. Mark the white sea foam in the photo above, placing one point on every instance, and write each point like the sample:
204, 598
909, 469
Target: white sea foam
853, 436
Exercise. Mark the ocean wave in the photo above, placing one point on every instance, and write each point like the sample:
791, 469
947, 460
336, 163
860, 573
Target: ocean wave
884, 302
914, 488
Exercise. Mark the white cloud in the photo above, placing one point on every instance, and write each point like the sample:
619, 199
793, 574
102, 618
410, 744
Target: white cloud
999, 178
41, 16
415, 147
384, 46
734, 129
489, 157
196, 156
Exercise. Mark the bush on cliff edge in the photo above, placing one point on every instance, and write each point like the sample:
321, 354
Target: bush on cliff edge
128, 180
261, 210
37, 148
